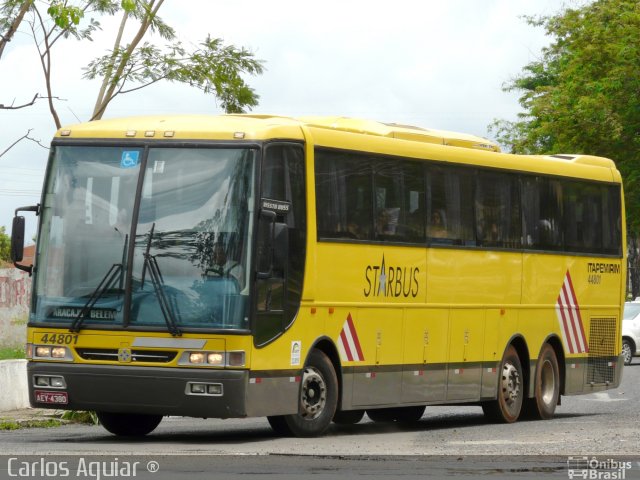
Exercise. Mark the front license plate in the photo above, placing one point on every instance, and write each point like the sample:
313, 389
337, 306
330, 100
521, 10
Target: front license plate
61, 398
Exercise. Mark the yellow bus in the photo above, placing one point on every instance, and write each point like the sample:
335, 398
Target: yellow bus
311, 270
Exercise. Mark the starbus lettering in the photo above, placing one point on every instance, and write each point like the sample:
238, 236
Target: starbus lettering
392, 281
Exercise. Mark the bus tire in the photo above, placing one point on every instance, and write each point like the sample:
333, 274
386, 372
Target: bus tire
546, 386
318, 397
348, 417
129, 424
507, 407
279, 425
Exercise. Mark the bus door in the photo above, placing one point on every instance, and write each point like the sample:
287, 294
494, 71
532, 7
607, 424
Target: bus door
281, 240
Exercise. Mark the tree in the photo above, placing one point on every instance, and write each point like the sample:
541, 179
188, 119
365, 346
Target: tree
213, 67
5, 246
583, 95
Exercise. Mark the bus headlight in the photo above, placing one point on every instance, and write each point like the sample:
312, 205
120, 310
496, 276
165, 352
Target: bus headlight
43, 352
196, 357
215, 358
51, 353
58, 352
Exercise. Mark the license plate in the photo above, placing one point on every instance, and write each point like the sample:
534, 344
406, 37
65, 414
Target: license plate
51, 397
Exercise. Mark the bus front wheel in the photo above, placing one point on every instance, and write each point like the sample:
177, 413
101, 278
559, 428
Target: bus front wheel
128, 424
317, 402
506, 408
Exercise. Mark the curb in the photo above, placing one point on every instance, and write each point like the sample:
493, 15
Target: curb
14, 393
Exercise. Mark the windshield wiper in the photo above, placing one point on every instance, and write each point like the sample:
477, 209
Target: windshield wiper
151, 264
115, 272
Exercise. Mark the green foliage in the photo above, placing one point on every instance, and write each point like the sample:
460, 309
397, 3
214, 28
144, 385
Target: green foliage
80, 416
214, 68
582, 95
5, 246
11, 353
64, 16
15, 425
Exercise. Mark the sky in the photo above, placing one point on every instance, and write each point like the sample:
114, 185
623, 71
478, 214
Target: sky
427, 63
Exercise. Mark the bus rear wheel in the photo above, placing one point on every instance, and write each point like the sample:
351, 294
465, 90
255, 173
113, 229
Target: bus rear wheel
128, 424
546, 386
506, 408
317, 402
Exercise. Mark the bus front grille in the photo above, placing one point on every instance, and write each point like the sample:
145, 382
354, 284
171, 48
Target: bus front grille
111, 355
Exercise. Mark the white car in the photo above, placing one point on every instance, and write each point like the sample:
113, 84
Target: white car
631, 331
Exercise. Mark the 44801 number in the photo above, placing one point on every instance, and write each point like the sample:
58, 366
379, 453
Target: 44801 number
59, 339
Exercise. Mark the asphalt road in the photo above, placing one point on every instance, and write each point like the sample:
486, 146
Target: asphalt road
602, 430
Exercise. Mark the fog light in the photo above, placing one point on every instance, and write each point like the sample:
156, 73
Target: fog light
196, 357
42, 381
43, 351
198, 388
58, 352
236, 359
214, 389
57, 382
215, 358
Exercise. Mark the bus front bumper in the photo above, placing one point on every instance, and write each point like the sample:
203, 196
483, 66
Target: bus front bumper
129, 389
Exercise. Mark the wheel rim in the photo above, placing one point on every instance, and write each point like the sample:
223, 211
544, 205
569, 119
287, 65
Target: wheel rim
547, 383
626, 352
510, 386
313, 394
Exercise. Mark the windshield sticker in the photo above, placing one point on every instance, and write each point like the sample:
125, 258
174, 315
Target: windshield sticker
277, 206
130, 159
93, 314
158, 166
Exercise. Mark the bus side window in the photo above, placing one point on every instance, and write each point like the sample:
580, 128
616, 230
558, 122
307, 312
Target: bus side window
497, 212
450, 206
542, 209
343, 195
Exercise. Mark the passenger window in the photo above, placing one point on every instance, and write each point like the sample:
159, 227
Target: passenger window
582, 217
611, 221
450, 206
542, 209
343, 196
497, 212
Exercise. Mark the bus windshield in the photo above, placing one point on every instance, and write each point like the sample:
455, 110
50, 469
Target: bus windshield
155, 237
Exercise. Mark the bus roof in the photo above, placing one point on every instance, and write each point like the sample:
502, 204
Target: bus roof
342, 132
261, 127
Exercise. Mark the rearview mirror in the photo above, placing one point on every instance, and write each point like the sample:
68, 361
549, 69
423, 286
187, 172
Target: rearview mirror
17, 239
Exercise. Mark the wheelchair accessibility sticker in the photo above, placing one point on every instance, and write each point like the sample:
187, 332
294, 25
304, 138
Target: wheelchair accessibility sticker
130, 159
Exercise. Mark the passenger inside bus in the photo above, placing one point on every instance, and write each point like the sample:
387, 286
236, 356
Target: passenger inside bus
437, 227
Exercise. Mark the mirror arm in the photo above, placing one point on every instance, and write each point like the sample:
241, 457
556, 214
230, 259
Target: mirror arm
30, 208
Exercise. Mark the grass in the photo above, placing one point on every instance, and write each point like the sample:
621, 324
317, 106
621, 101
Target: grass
13, 425
10, 353
80, 416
